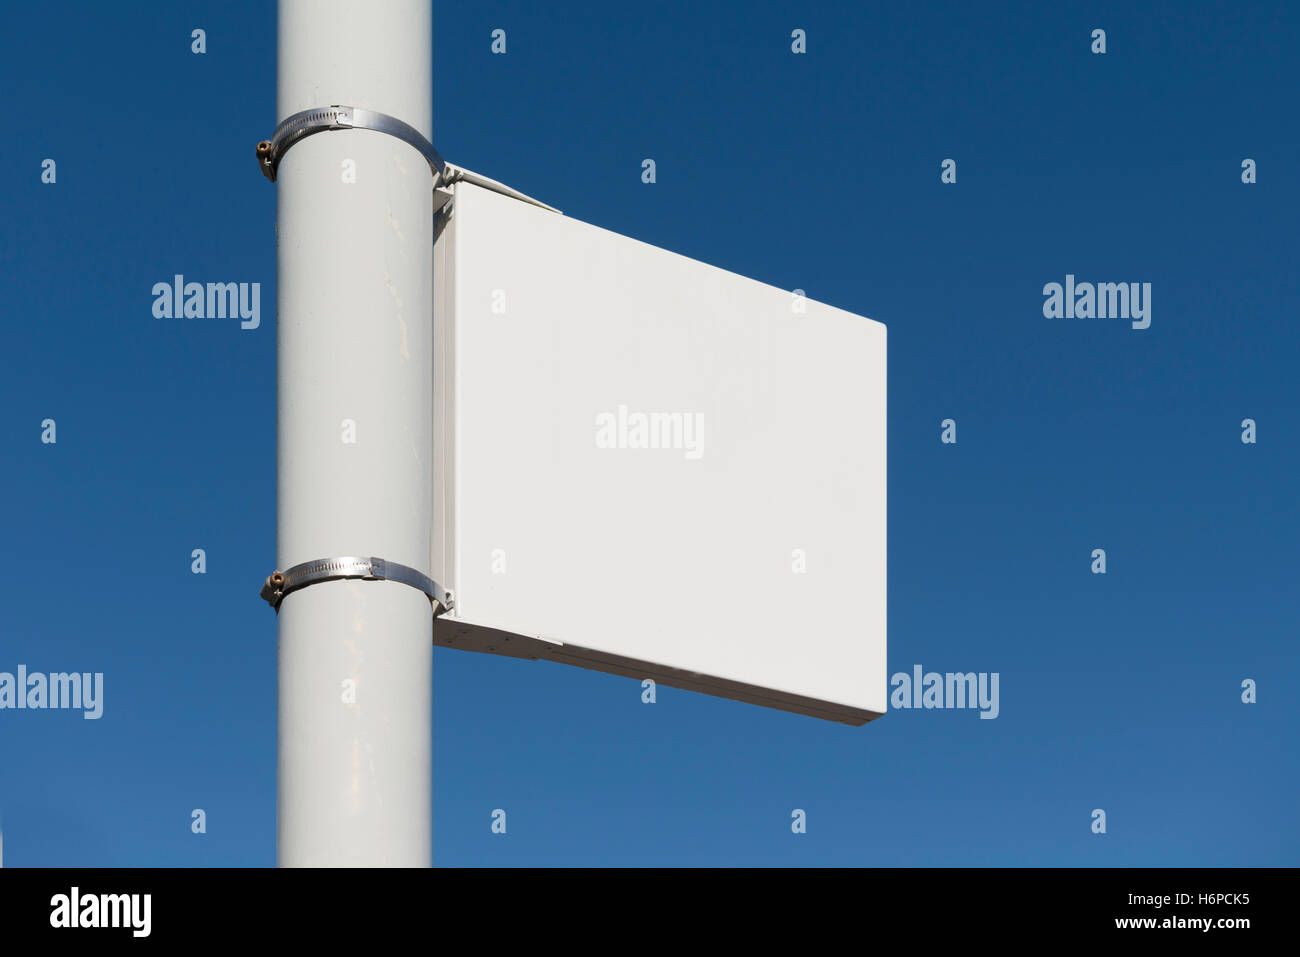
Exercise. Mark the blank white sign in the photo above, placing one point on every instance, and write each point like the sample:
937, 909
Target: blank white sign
652, 467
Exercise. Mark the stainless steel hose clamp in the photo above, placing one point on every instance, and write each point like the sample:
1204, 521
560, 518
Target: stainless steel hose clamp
278, 584
308, 122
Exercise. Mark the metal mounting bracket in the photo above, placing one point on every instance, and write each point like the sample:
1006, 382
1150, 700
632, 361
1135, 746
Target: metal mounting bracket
278, 584
299, 125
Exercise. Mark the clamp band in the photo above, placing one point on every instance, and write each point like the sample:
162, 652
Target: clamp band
279, 584
300, 125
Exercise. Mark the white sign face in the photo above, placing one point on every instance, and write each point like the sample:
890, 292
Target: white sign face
652, 467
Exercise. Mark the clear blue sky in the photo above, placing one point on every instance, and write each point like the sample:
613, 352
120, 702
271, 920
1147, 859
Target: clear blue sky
818, 171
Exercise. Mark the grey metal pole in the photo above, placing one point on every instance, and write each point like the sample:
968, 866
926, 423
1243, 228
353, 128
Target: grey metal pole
355, 407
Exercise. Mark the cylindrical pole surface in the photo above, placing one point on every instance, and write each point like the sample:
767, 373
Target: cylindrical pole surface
355, 407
